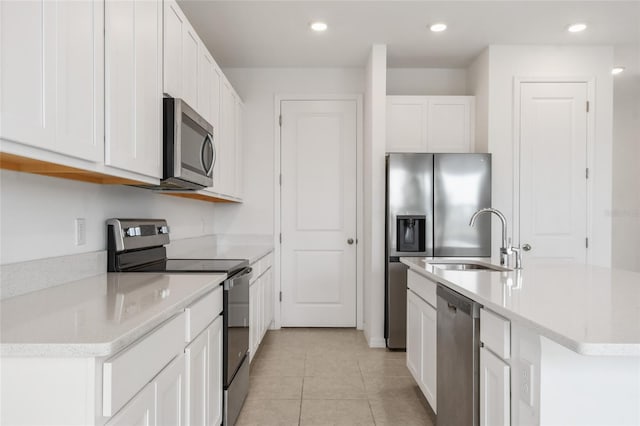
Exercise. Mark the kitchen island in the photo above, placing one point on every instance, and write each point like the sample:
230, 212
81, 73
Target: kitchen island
573, 340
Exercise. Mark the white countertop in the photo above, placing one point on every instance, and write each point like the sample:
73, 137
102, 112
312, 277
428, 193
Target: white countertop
96, 316
590, 310
219, 247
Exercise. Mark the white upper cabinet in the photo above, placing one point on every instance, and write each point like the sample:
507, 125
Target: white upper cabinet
450, 123
227, 154
430, 123
52, 79
239, 171
190, 42
133, 86
175, 24
406, 124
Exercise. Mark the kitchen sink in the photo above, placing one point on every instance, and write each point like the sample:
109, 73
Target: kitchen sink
450, 266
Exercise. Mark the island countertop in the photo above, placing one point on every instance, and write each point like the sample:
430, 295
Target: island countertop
96, 316
588, 309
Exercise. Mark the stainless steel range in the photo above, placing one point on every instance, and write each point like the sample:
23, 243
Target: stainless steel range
138, 245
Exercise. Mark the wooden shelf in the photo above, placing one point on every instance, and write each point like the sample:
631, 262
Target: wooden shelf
29, 165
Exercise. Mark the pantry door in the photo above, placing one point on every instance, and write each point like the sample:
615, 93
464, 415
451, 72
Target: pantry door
318, 213
553, 170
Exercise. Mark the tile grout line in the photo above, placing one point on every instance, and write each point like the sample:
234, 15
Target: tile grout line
365, 392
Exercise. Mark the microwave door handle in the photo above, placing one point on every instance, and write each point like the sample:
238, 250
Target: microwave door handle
209, 168
215, 155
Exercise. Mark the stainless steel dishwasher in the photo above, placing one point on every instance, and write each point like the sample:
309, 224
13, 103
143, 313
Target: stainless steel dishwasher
458, 359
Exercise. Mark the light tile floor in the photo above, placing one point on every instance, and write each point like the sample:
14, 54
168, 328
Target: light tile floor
305, 376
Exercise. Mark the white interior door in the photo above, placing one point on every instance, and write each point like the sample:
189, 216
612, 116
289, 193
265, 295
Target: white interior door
318, 219
553, 162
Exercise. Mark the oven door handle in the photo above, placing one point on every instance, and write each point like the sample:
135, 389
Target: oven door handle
230, 283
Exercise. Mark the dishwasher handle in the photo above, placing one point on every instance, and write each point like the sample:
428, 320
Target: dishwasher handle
457, 302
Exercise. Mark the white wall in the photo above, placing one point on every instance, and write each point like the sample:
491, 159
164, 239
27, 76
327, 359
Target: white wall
426, 81
374, 203
37, 214
626, 172
509, 62
478, 85
258, 87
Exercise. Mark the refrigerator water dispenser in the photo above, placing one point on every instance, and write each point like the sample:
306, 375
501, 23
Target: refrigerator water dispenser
411, 233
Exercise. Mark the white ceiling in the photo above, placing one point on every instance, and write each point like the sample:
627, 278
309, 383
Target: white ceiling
276, 34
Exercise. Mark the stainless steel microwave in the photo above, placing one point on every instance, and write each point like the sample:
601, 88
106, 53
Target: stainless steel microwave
189, 151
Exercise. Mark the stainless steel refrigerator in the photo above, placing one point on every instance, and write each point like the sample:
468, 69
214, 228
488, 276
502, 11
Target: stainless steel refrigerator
430, 199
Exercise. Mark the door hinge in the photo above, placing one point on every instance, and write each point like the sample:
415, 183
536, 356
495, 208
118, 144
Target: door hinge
280, 120
586, 242
280, 238
586, 174
281, 296
587, 106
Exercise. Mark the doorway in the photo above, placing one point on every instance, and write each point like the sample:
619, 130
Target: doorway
318, 227
552, 125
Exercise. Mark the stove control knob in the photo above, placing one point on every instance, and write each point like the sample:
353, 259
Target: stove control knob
163, 229
132, 232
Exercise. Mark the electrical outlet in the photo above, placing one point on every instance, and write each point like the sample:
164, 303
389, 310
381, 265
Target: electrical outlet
81, 231
526, 382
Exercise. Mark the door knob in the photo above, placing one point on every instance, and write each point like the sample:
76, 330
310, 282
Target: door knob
526, 247
350, 241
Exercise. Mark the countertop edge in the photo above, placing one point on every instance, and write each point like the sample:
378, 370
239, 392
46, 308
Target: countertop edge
581, 348
104, 349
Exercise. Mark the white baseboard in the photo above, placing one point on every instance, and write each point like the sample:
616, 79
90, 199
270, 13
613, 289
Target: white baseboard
377, 342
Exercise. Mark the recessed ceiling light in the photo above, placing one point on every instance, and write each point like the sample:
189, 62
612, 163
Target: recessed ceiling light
576, 28
439, 27
617, 70
319, 26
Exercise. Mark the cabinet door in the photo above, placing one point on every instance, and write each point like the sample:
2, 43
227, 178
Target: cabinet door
197, 362
175, 24
205, 83
406, 124
450, 124
134, 86
254, 312
414, 336
215, 372
190, 43
239, 163
268, 299
228, 141
140, 411
52, 79
429, 373
170, 394
495, 404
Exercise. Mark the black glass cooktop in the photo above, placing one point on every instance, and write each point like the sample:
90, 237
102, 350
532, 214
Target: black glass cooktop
228, 266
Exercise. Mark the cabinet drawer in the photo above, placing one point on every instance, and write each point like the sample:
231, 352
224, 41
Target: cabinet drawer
202, 312
131, 369
256, 269
267, 262
495, 333
423, 287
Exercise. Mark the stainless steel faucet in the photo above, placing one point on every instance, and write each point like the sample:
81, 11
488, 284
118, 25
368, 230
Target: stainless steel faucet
507, 249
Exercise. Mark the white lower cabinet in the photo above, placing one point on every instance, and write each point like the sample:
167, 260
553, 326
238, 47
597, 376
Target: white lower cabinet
494, 390
170, 394
140, 411
215, 372
261, 302
495, 377
421, 345
203, 359
197, 361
